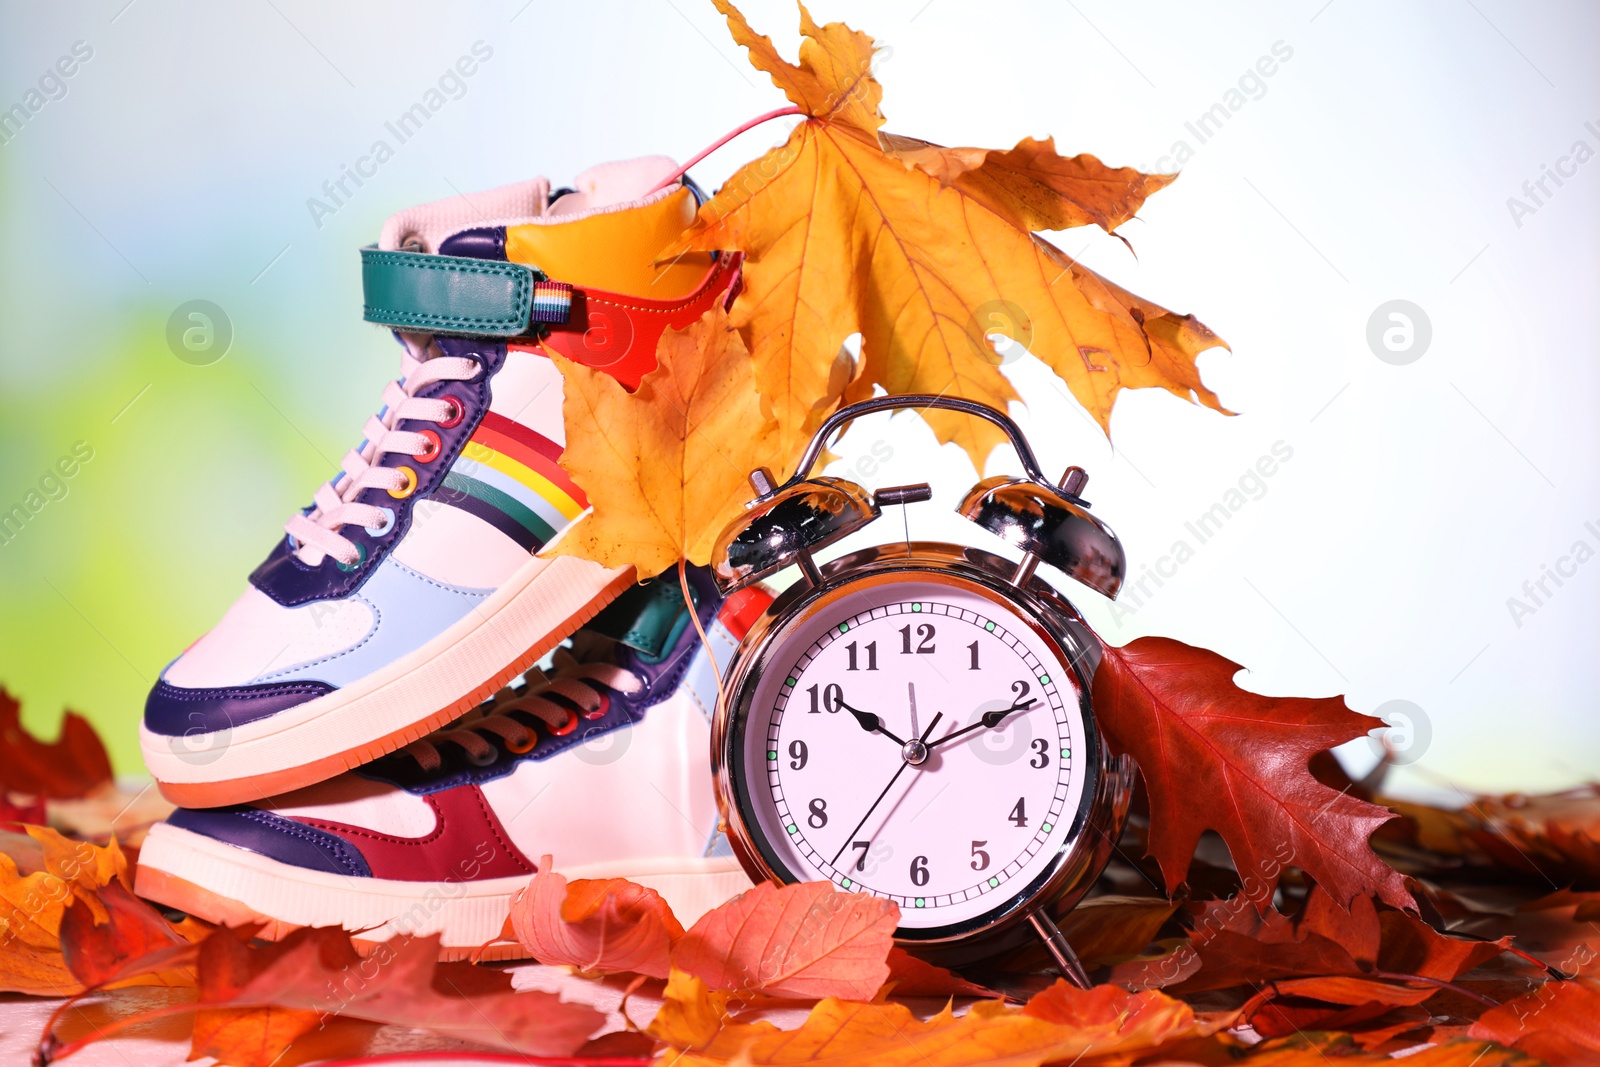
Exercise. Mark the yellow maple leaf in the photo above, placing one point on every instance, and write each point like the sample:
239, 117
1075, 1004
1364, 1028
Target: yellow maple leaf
1031, 185
921, 254
665, 468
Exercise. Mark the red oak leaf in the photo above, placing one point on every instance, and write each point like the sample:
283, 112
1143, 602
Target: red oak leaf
1215, 757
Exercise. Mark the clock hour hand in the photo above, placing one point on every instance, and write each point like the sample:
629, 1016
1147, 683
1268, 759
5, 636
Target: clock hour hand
871, 723
988, 720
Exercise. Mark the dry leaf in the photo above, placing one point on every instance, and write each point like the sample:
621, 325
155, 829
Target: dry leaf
665, 468
837, 1033
804, 941
913, 977
40, 874
249, 1037
1032, 186
1338, 1050
74, 766
1559, 1022
400, 982
131, 945
599, 926
842, 237
1215, 757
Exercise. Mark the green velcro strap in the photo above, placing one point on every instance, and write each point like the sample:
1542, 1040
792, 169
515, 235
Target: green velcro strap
447, 294
648, 617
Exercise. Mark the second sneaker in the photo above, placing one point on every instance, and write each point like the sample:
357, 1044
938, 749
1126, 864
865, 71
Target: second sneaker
602, 765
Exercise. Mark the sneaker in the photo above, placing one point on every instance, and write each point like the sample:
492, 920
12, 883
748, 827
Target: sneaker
411, 589
603, 765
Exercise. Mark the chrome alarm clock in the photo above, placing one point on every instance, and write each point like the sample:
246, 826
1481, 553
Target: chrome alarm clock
914, 720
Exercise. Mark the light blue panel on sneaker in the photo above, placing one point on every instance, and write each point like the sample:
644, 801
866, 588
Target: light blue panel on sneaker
700, 678
411, 609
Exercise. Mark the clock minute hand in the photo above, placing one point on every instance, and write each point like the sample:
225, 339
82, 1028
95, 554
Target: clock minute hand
898, 772
870, 722
988, 720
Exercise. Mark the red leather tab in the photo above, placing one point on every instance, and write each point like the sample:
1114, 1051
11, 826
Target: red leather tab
468, 843
618, 333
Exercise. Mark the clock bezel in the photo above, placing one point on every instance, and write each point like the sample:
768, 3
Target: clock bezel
1045, 611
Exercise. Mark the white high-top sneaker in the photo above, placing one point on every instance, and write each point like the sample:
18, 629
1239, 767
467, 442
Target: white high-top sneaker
411, 589
603, 765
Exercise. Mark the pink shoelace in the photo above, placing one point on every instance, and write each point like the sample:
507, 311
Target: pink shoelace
316, 534
578, 683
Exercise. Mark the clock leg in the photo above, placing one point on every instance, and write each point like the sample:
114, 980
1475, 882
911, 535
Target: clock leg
1056, 942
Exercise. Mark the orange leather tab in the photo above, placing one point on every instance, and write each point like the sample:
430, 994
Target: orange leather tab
618, 334
615, 250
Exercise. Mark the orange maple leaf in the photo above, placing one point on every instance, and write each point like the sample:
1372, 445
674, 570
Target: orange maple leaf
925, 252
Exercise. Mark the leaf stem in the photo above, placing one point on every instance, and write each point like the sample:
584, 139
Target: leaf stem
1441, 983
724, 139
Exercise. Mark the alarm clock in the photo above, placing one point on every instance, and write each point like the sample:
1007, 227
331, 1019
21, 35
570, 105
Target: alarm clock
914, 720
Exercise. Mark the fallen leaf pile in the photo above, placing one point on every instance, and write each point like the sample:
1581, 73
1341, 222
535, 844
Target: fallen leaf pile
1430, 945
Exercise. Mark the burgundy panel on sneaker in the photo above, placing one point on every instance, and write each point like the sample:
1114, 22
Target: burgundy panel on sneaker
468, 843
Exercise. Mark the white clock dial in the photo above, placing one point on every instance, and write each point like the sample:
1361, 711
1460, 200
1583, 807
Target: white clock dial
916, 740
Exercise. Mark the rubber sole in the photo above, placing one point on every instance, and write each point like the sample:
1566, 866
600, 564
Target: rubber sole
232, 886
431, 687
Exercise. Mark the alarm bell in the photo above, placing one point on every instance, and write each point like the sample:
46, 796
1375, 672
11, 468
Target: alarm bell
784, 524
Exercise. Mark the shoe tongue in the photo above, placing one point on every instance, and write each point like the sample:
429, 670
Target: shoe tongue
607, 185
424, 228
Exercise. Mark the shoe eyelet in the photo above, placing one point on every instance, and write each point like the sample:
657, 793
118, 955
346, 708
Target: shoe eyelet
410, 485
431, 451
361, 557
458, 411
388, 524
567, 726
485, 759
600, 712
525, 746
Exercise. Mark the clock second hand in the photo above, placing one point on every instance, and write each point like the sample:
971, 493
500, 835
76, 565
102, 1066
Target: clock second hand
898, 772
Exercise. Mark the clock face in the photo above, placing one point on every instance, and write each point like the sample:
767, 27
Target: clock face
916, 740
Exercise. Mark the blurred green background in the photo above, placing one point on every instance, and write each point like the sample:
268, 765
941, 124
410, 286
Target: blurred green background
1375, 163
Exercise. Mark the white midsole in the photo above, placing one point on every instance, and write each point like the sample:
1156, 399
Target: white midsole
543, 593
465, 914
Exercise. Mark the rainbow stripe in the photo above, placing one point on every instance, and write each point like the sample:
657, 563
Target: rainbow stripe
552, 302
507, 475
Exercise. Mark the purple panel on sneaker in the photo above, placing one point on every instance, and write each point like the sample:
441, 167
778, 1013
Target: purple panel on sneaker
290, 582
485, 242
276, 837
175, 712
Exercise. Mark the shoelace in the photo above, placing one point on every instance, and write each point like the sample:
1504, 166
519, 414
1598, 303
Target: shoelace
316, 534
576, 682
